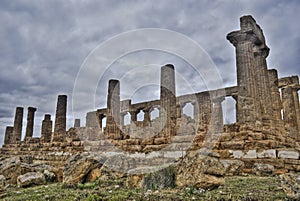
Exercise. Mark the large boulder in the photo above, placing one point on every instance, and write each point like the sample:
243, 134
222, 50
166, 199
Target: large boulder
31, 179
12, 167
152, 177
118, 166
77, 168
197, 170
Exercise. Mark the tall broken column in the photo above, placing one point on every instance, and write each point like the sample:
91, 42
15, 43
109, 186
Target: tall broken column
60, 119
168, 100
113, 110
252, 76
275, 100
46, 129
17, 130
8, 135
30, 122
289, 112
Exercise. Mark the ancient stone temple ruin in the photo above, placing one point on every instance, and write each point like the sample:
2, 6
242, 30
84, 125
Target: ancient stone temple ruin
267, 128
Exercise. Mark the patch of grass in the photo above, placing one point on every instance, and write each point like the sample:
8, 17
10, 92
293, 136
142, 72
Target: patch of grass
249, 188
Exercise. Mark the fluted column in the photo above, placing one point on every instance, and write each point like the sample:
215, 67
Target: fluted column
168, 100
289, 112
30, 122
217, 115
262, 77
297, 108
276, 105
60, 119
17, 130
247, 41
46, 131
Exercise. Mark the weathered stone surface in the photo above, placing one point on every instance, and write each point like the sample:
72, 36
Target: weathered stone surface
157, 177
60, 119
18, 122
190, 171
263, 169
11, 168
236, 153
30, 179
2, 182
232, 167
270, 153
49, 176
290, 183
288, 154
250, 154
78, 167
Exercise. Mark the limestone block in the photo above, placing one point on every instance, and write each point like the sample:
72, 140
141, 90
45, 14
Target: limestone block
250, 154
31, 178
270, 153
233, 145
263, 169
236, 153
233, 167
288, 154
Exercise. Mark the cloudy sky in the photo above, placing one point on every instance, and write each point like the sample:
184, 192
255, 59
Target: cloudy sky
44, 44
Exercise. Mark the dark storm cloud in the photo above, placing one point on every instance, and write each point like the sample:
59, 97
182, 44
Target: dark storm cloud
44, 43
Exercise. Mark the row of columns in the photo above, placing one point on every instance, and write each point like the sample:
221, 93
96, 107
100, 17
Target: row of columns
14, 134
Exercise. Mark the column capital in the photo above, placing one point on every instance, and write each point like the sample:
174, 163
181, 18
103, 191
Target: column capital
239, 37
33, 109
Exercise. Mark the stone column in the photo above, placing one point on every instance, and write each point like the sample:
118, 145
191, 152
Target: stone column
30, 122
146, 116
133, 116
17, 130
8, 135
168, 100
60, 119
297, 107
46, 129
276, 105
289, 112
205, 110
217, 116
77, 123
113, 110
246, 41
262, 77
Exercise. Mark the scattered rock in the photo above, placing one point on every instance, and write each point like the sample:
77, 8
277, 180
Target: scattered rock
78, 167
49, 176
290, 183
12, 167
2, 182
160, 179
30, 179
